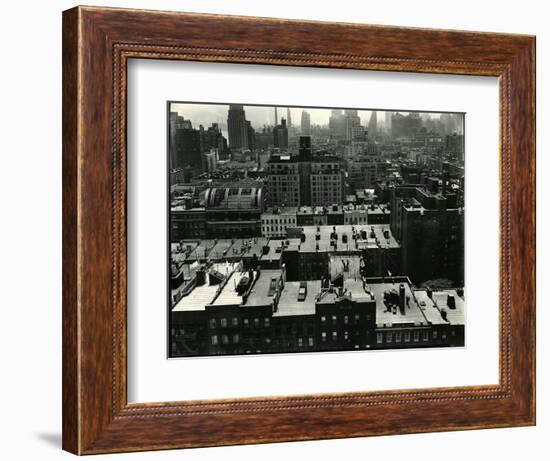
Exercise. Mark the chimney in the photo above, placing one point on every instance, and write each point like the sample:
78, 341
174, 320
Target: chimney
402, 298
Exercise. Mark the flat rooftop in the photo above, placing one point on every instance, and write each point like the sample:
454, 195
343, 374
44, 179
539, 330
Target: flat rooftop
289, 304
385, 316
247, 247
202, 295
353, 288
228, 295
262, 292
367, 236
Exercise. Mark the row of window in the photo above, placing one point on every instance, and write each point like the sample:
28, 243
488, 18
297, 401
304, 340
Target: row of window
277, 229
289, 220
216, 340
247, 323
346, 318
405, 336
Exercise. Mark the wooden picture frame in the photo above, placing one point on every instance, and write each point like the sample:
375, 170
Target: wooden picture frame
97, 44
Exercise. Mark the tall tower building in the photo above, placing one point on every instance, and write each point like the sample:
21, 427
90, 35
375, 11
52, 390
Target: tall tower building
288, 119
306, 123
276, 118
237, 127
280, 135
387, 121
373, 124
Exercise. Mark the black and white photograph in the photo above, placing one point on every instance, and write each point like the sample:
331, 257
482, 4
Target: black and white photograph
312, 229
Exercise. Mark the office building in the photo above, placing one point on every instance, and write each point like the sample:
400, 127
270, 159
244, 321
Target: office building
237, 127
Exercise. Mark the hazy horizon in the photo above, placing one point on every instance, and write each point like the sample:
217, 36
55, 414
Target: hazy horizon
259, 115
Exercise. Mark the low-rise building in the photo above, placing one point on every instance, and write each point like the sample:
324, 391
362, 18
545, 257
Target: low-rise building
226, 310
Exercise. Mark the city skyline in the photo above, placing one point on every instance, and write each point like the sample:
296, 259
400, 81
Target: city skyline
259, 115
306, 237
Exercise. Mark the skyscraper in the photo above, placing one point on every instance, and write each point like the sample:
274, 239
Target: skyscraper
373, 124
276, 118
237, 127
280, 135
387, 121
306, 123
288, 119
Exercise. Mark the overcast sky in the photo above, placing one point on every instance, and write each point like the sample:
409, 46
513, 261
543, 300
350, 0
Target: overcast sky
206, 114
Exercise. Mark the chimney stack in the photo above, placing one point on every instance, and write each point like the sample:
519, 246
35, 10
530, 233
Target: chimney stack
402, 298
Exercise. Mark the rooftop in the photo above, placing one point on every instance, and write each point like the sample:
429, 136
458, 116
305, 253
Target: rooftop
264, 289
349, 237
433, 306
202, 295
289, 304
388, 316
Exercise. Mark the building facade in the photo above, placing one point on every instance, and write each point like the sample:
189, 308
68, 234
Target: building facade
237, 127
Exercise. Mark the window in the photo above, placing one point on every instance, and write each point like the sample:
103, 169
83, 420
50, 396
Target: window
266, 322
397, 336
256, 322
407, 336
323, 320
334, 320
435, 334
356, 318
214, 340
425, 335
310, 341
346, 319
235, 321
300, 342
346, 335
389, 337
378, 338
212, 323
235, 338
223, 323
416, 336
225, 339
246, 323
334, 335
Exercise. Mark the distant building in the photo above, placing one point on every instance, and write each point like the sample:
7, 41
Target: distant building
237, 127
305, 123
275, 222
387, 121
351, 120
337, 124
373, 125
212, 138
210, 160
283, 180
405, 126
280, 135
288, 118
188, 149
233, 211
326, 182
430, 227
304, 179
264, 138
